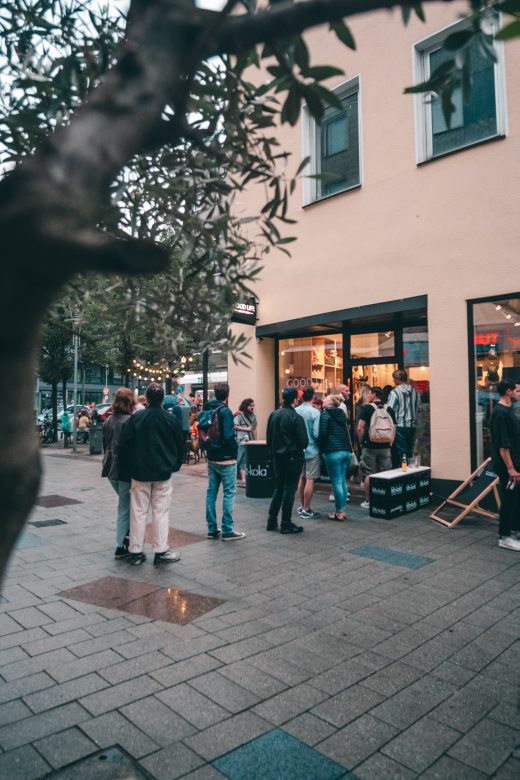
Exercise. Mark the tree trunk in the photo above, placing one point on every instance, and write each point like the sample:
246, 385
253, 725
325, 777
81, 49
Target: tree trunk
54, 407
19, 453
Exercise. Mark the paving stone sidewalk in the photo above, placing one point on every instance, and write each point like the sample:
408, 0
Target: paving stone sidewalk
368, 649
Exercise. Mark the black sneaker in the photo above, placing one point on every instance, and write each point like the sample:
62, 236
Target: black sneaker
121, 552
214, 534
272, 525
233, 536
168, 556
136, 558
291, 528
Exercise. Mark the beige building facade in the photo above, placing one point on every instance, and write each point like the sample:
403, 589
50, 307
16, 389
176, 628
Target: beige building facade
407, 254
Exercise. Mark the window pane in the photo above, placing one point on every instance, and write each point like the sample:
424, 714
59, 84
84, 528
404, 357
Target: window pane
474, 120
372, 345
417, 365
311, 362
497, 356
338, 148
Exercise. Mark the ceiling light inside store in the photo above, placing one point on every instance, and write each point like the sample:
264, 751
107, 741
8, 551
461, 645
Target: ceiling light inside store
497, 306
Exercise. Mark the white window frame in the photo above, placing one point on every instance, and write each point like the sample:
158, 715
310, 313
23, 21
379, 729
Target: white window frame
422, 104
309, 141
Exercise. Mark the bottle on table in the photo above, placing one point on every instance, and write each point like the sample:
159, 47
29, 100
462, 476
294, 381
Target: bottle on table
404, 463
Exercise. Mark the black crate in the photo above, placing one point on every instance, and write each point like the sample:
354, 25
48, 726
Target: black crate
387, 511
403, 493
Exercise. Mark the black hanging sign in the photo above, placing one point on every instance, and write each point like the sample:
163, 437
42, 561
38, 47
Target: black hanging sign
244, 312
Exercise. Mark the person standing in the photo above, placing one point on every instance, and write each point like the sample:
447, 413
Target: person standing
66, 428
221, 452
405, 402
151, 449
334, 442
376, 453
287, 439
505, 452
245, 427
181, 409
311, 464
83, 425
122, 409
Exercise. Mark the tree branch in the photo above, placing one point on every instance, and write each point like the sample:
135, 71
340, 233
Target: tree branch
241, 33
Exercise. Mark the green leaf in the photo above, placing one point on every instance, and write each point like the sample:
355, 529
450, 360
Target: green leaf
509, 7
291, 107
321, 72
509, 31
457, 40
406, 13
343, 34
301, 55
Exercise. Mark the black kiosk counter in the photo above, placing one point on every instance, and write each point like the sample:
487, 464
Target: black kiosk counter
397, 492
259, 470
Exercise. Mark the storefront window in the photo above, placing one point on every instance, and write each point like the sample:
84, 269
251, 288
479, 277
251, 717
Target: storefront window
496, 345
372, 345
416, 363
316, 362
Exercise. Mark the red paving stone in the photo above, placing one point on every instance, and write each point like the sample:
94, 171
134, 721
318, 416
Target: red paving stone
49, 502
141, 598
176, 537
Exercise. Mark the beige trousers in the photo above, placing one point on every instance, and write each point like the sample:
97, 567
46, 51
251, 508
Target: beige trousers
150, 500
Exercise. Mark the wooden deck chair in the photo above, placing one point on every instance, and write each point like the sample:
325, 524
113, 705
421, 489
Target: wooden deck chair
468, 496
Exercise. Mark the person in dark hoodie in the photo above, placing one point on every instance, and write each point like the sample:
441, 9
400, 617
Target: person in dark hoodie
151, 449
286, 438
405, 402
222, 468
334, 442
122, 409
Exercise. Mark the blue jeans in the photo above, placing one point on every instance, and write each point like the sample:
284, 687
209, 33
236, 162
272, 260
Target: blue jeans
123, 510
337, 465
227, 476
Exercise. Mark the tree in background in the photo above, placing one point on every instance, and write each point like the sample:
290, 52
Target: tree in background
56, 362
109, 123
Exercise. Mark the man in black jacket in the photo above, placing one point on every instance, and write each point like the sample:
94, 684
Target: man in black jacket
222, 467
286, 438
151, 450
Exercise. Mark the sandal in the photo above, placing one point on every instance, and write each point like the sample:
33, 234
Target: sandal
339, 516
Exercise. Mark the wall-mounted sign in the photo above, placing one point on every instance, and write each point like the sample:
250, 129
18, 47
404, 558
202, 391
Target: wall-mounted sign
244, 312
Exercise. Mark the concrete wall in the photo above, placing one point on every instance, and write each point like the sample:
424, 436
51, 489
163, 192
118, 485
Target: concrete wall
448, 228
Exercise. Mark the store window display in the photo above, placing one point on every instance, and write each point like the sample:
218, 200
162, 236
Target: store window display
496, 353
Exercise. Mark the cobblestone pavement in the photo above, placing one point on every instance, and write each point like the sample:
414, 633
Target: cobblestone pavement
369, 649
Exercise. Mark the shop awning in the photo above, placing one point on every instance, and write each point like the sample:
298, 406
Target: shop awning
409, 308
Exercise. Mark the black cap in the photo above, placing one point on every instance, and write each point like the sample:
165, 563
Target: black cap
289, 394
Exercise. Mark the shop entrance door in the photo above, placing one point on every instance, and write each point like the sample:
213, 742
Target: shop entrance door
369, 375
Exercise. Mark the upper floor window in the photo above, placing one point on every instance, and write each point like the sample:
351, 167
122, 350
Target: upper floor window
480, 117
333, 146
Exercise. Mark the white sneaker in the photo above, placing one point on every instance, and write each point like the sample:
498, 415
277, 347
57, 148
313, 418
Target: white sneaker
365, 505
508, 543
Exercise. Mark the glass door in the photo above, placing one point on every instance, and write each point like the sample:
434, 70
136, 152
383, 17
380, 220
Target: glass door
370, 375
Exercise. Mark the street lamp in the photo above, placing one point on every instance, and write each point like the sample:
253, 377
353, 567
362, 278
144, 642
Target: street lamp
75, 341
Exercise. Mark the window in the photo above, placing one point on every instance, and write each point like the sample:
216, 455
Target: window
333, 147
311, 362
481, 117
496, 356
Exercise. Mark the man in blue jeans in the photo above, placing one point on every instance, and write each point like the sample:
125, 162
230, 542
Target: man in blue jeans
222, 454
